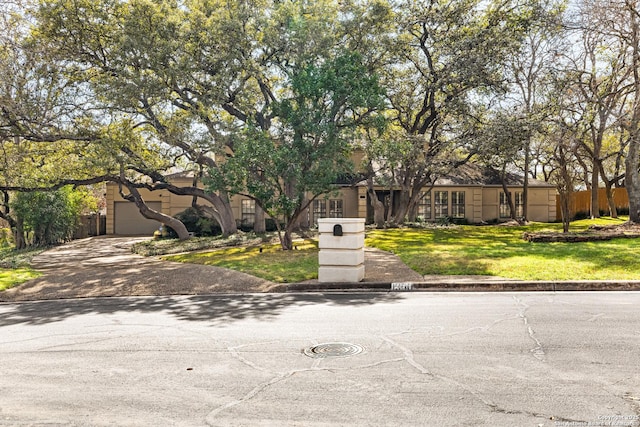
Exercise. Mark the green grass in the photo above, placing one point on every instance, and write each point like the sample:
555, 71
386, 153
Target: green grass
500, 251
14, 266
272, 263
13, 277
463, 250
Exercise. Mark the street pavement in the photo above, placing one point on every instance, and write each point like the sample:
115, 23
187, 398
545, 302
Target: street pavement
332, 359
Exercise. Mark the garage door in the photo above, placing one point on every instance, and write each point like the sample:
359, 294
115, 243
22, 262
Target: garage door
129, 222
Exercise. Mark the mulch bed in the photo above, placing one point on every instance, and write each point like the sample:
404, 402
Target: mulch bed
593, 234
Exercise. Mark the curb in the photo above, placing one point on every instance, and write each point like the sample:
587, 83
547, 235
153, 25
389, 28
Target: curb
450, 286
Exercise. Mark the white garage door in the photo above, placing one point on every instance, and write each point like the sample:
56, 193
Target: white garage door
129, 222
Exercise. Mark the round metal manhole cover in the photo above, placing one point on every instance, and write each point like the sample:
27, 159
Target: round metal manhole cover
333, 349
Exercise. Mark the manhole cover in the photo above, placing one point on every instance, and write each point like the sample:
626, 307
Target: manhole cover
333, 349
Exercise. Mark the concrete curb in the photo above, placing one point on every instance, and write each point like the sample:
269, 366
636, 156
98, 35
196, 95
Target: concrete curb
451, 286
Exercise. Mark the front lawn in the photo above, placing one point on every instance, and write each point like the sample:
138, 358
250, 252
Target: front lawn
501, 251
14, 266
267, 261
10, 277
460, 250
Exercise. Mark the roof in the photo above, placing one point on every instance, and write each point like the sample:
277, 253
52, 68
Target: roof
475, 175
180, 175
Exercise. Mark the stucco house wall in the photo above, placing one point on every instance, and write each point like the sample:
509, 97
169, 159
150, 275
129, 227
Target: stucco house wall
541, 203
481, 201
170, 204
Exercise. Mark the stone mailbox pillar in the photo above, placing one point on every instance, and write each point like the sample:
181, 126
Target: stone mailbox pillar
341, 257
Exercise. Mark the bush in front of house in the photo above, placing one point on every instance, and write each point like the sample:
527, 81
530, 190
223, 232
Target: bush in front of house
51, 217
197, 222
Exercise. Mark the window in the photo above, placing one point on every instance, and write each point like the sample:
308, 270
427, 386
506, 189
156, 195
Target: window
248, 212
424, 205
441, 204
457, 204
519, 204
505, 212
335, 209
319, 210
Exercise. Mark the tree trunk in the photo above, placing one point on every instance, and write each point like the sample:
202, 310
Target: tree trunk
259, 225
287, 239
149, 213
18, 234
632, 161
566, 213
16, 226
226, 219
525, 187
286, 235
613, 210
400, 214
412, 214
507, 193
595, 207
632, 178
390, 202
376, 204
512, 207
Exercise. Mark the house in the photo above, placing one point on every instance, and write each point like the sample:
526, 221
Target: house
470, 193
124, 218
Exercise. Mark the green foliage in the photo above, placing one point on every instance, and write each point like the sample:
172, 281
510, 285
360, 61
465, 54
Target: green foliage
5, 237
310, 147
52, 217
17, 258
197, 222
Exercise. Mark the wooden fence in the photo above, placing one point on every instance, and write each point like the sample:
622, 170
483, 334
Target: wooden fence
581, 202
91, 225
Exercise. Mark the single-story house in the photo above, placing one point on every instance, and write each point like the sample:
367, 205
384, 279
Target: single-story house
471, 192
124, 218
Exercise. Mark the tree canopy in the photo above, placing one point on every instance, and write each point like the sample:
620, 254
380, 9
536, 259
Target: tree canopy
268, 99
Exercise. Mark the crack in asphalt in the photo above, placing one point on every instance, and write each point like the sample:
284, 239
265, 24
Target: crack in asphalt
210, 419
234, 352
279, 377
537, 351
408, 356
495, 408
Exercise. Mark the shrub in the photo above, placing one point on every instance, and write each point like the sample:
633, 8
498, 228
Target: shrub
52, 217
581, 215
270, 224
197, 222
5, 237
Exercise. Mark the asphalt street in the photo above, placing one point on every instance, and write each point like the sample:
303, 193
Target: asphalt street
343, 359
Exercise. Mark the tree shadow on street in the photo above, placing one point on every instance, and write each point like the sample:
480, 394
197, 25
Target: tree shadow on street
214, 309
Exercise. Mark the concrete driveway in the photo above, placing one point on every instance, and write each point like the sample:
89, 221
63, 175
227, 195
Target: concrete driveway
105, 266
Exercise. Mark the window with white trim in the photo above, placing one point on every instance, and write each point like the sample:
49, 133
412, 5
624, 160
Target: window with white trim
335, 208
505, 211
424, 205
319, 210
441, 204
457, 204
248, 211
